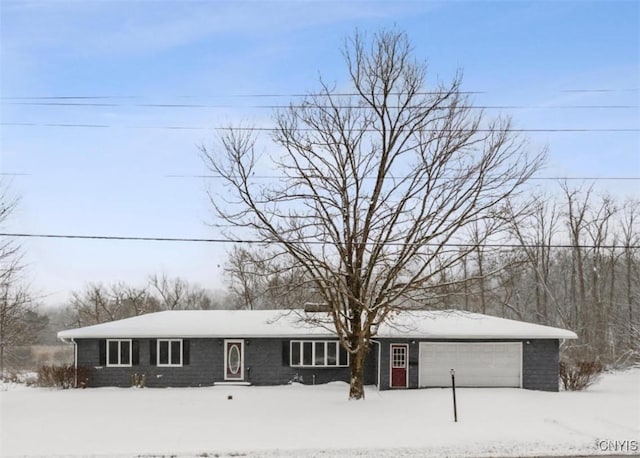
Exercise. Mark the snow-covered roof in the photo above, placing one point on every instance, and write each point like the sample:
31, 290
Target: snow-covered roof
278, 323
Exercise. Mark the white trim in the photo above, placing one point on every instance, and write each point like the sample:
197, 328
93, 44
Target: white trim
241, 371
339, 362
75, 363
119, 364
169, 358
406, 364
419, 360
521, 363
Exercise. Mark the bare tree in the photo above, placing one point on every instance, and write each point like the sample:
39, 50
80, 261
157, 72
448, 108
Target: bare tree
247, 278
377, 187
178, 294
96, 304
259, 279
17, 305
630, 229
536, 232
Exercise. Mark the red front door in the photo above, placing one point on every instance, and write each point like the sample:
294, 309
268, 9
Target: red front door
399, 365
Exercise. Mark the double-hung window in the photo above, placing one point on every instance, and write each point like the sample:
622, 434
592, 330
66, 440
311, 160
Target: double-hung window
169, 352
318, 353
119, 352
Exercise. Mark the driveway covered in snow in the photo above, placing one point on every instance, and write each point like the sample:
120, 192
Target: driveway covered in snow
319, 421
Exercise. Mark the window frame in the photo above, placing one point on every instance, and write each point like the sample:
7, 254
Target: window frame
314, 363
169, 353
119, 352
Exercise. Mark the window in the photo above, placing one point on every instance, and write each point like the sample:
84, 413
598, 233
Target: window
169, 352
119, 352
398, 356
318, 353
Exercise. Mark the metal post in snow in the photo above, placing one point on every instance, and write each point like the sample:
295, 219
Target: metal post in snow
453, 388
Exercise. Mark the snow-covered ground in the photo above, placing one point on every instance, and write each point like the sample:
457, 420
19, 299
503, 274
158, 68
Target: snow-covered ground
318, 421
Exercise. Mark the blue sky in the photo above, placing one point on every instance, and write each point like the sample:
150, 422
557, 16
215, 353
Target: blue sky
113, 180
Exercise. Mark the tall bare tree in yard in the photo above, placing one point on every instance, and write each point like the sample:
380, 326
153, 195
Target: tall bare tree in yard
379, 186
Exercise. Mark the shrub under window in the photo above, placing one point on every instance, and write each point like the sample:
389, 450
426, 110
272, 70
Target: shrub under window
318, 353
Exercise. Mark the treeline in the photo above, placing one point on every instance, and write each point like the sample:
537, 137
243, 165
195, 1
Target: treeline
571, 261
577, 266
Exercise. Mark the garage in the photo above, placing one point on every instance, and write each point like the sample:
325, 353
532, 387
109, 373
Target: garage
476, 364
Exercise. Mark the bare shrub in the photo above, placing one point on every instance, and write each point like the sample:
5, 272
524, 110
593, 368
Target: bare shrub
65, 376
578, 375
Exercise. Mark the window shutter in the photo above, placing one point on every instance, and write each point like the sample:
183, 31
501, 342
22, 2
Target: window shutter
152, 352
186, 352
285, 352
135, 352
102, 352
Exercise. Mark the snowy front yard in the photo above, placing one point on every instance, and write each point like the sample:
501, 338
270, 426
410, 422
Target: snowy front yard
319, 421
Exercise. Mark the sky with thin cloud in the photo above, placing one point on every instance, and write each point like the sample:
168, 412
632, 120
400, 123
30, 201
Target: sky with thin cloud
157, 77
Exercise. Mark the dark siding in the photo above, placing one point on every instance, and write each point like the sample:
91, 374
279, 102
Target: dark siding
385, 374
540, 364
267, 363
264, 365
199, 372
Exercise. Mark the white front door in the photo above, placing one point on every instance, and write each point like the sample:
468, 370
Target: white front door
234, 359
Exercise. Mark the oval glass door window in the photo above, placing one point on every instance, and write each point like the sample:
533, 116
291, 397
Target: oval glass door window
234, 359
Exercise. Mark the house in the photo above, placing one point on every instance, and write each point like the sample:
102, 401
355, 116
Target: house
271, 347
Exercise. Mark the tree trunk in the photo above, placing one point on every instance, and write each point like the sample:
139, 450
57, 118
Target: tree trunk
356, 381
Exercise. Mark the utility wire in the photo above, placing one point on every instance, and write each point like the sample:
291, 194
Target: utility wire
310, 242
558, 178
273, 129
281, 106
275, 177
310, 94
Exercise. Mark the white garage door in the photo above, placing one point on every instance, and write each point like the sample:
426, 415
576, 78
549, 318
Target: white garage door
483, 364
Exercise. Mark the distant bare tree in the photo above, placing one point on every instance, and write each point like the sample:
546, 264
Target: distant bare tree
17, 304
536, 232
98, 303
178, 294
630, 236
95, 305
377, 186
258, 279
247, 277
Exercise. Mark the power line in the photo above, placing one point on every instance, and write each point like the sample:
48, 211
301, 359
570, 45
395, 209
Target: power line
284, 94
280, 106
550, 178
310, 242
273, 129
276, 177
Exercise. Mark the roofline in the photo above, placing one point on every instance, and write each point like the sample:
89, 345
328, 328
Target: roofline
67, 339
